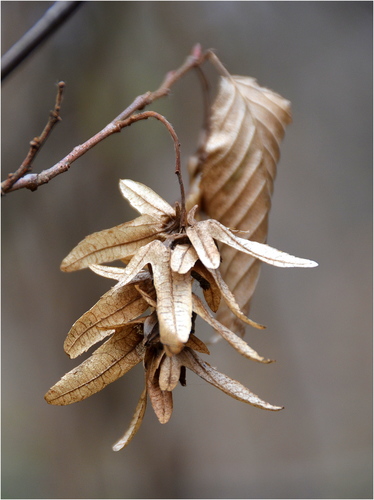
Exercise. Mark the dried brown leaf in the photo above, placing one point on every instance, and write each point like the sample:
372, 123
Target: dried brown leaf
170, 370
213, 229
226, 384
183, 257
113, 244
116, 273
162, 401
134, 424
109, 362
148, 295
150, 323
110, 272
235, 177
174, 307
204, 245
239, 344
116, 307
144, 199
196, 344
211, 291
230, 299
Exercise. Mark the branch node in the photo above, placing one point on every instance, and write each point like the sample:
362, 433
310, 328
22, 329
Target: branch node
20, 180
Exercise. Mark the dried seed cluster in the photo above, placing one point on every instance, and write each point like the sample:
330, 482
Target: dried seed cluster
149, 315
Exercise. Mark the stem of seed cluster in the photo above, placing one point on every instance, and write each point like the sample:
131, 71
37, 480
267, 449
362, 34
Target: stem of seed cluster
33, 181
169, 126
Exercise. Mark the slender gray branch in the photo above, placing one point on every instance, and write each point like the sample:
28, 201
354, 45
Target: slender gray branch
51, 20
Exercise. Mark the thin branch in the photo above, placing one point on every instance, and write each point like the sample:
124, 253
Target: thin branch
51, 20
33, 181
168, 125
35, 144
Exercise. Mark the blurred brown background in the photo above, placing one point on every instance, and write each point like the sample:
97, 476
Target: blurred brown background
318, 55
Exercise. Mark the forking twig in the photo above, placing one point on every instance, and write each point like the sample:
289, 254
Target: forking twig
34, 180
35, 144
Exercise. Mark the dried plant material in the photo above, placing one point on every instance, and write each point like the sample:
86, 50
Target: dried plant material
209, 229
113, 244
230, 300
135, 423
151, 330
170, 371
116, 307
174, 309
113, 359
197, 345
246, 127
150, 299
162, 401
183, 258
173, 293
115, 273
233, 179
236, 342
204, 245
229, 386
212, 293
150, 314
158, 277
144, 199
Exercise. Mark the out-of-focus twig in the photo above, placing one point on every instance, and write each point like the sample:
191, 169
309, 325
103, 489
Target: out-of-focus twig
33, 181
35, 144
51, 20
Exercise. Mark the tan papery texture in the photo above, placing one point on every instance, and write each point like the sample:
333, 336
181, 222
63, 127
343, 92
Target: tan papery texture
135, 423
161, 400
226, 384
235, 175
113, 244
117, 306
108, 363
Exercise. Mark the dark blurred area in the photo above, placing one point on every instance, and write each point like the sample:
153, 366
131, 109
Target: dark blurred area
319, 321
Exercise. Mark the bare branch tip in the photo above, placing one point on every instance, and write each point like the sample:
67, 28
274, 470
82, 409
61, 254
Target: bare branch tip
197, 51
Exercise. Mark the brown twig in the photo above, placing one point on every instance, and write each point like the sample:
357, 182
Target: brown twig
33, 181
35, 144
178, 171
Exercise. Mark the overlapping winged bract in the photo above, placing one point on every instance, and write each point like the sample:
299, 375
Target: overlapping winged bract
169, 373
212, 229
226, 384
212, 293
174, 307
231, 301
239, 344
116, 307
113, 244
109, 362
144, 199
236, 176
204, 245
116, 273
183, 258
134, 424
161, 400
123, 241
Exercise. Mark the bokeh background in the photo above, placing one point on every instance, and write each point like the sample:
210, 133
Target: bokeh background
319, 56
